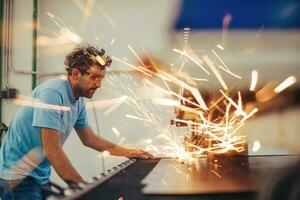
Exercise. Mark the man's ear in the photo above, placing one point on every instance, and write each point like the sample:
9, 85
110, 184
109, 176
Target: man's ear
75, 74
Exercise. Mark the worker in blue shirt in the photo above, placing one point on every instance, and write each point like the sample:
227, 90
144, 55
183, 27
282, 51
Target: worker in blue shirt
36, 135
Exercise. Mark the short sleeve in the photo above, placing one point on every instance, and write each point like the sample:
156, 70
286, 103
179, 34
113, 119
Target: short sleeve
48, 110
82, 120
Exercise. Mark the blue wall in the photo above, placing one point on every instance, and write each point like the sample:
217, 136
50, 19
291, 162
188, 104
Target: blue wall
246, 14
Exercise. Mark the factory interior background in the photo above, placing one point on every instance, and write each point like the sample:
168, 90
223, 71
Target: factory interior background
245, 41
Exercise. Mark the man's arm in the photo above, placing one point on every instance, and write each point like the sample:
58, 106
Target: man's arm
54, 153
90, 139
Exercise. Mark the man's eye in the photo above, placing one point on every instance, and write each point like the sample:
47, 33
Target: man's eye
95, 77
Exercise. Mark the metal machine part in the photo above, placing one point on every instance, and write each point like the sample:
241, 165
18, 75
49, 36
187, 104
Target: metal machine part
225, 174
74, 191
200, 135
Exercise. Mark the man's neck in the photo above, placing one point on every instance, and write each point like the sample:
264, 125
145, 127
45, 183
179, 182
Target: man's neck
74, 90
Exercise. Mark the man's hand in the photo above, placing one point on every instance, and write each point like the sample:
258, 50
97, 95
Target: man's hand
138, 153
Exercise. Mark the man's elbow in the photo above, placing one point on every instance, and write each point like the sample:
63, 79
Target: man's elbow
51, 153
86, 142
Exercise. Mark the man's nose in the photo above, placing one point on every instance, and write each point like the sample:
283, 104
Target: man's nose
98, 84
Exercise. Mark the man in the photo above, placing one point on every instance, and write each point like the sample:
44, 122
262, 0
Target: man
36, 135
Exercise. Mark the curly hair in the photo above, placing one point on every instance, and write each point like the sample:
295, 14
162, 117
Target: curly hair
82, 58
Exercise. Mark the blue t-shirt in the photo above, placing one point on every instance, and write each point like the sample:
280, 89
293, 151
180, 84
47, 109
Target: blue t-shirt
52, 105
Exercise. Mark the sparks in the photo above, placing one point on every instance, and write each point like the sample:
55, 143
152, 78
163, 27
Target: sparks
130, 65
214, 122
100, 104
134, 53
218, 175
166, 102
112, 41
105, 154
215, 71
285, 84
192, 59
220, 47
135, 117
36, 103
254, 76
256, 146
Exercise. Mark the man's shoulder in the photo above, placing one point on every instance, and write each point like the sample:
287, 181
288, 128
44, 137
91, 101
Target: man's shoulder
55, 84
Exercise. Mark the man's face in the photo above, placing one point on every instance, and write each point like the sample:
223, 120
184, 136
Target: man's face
90, 81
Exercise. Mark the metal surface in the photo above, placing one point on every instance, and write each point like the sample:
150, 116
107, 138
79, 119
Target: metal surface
219, 175
127, 185
80, 190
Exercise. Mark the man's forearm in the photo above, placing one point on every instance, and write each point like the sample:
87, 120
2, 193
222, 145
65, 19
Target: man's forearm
63, 166
89, 139
100, 144
53, 151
